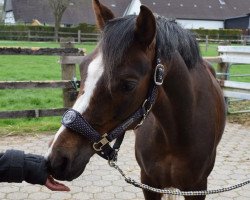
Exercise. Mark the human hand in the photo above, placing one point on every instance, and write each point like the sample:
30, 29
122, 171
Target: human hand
55, 186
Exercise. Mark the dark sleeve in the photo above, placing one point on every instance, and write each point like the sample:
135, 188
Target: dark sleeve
15, 166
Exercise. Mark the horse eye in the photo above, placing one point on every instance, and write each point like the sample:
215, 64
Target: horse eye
128, 86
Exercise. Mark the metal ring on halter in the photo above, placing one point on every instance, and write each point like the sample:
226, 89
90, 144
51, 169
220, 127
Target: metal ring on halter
141, 122
147, 110
97, 146
159, 74
144, 106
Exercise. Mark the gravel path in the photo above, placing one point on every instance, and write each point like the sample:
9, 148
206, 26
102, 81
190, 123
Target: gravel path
99, 181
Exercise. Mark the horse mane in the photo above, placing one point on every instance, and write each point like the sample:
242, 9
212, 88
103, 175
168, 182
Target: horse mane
118, 35
171, 37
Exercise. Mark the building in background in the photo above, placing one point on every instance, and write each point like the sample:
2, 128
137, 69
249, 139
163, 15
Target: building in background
79, 11
192, 14
240, 22
1, 11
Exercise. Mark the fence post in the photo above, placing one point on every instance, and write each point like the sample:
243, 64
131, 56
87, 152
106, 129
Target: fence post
245, 41
206, 42
29, 35
223, 69
242, 40
79, 36
68, 73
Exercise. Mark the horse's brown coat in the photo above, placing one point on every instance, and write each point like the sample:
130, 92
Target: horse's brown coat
176, 145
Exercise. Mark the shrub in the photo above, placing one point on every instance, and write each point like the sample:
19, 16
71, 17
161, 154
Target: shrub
22, 32
223, 34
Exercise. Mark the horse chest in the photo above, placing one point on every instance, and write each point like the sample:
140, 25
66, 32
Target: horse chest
163, 169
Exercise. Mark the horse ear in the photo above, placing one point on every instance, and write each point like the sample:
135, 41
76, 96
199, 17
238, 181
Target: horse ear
102, 13
145, 26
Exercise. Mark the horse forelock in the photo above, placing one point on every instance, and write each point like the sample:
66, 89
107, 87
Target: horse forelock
118, 36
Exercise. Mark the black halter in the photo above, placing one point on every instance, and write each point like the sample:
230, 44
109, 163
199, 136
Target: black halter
73, 120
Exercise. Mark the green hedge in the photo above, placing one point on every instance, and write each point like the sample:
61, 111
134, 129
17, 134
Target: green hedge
20, 32
223, 34
83, 27
48, 31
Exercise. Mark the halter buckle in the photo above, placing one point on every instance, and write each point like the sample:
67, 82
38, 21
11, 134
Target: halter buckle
159, 74
97, 146
141, 122
147, 106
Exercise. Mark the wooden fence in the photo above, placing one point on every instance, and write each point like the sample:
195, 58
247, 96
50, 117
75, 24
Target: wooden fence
48, 36
79, 37
70, 56
229, 56
240, 39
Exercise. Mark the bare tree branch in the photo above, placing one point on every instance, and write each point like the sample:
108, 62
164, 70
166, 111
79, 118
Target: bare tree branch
58, 7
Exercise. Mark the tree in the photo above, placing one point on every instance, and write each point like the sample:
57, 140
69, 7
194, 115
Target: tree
58, 7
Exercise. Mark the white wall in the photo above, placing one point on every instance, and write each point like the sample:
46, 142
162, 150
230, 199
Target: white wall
196, 24
1, 10
9, 18
134, 8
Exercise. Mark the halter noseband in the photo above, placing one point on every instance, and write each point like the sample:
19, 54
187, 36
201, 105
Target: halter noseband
73, 120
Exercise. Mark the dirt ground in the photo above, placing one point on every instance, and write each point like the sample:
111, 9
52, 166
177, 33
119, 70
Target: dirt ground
240, 118
243, 119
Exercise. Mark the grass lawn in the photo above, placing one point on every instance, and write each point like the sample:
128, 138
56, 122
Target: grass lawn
19, 68
234, 70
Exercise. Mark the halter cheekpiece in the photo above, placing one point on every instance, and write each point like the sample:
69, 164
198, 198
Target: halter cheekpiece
73, 120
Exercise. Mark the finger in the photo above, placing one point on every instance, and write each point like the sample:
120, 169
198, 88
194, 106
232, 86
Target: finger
55, 186
58, 188
54, 182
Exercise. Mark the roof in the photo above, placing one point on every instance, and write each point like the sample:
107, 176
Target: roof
242, 16
79, 11
199, 9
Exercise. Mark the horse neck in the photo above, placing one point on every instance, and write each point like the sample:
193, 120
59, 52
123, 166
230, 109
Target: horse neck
173, 109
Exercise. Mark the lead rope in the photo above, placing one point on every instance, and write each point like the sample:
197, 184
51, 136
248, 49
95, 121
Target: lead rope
175, 192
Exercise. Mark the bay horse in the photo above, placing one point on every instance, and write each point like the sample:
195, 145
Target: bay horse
183, 115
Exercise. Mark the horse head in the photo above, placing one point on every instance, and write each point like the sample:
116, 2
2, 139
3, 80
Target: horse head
115, 82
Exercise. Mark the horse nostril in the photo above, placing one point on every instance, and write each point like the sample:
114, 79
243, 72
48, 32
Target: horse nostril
57, 164
65, 163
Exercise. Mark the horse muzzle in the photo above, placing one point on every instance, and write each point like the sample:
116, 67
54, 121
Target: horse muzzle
62, 167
